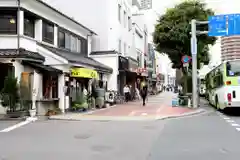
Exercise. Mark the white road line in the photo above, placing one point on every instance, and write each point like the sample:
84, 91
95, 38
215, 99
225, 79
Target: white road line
238, 129
230, 121
235, 125
28, 120
226, 118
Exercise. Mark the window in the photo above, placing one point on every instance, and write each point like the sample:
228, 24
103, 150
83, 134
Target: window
119, 46
61, 39
233, 68
29, 27
129, 24
48, 32
119, 13
125, 19
50, 86
8, 21
79, 45
67, 41
73, 43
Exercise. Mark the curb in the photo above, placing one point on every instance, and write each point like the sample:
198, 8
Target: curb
197, 112
129, 118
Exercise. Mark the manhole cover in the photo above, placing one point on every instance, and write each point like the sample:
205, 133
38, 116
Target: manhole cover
101, 148
82, 136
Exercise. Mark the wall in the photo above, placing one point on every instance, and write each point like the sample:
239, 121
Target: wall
95, 18
111, 61
102, 18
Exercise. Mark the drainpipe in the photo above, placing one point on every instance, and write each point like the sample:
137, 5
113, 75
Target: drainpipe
18, 26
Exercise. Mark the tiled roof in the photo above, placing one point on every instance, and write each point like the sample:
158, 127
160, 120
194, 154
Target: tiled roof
78, 58
22, 53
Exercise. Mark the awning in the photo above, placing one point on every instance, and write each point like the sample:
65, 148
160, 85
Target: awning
78, 58
42, 67
21, 53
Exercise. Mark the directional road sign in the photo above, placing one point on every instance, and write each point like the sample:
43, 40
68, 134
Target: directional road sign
224, 25
218, 25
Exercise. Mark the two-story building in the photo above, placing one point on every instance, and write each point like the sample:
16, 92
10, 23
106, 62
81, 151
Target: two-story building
46, 49
114, 44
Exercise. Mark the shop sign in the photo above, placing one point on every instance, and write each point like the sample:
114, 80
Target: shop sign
84, 73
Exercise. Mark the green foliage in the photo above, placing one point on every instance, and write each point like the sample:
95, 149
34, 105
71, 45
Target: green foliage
172, 32
9, 93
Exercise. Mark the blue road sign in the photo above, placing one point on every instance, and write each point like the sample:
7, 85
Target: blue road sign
186, 59
218, 25
224, 25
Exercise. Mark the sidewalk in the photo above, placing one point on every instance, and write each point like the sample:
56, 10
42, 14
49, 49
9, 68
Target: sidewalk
158, 107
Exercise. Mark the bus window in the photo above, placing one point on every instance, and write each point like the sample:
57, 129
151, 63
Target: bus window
233, 68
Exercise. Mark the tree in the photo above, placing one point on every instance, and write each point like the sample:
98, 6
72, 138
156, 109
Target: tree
172, 32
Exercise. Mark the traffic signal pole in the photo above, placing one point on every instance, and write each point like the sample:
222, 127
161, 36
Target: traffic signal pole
194, 63
194, 32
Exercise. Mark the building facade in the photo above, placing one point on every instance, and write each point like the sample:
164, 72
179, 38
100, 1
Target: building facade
114, 45
47, 50
230, 48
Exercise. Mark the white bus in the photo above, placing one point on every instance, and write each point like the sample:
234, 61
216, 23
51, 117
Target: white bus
223, 85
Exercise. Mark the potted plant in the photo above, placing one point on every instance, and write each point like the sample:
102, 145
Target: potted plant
9, 93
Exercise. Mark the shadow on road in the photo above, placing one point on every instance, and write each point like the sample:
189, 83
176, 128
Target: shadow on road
232, 112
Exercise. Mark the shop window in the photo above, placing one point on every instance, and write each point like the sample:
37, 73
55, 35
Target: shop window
8, 21
50, 86
48, 32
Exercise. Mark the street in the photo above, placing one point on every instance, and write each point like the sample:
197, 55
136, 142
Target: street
210, 135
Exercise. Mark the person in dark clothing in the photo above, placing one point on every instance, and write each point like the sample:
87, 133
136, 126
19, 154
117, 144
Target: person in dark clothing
144, 91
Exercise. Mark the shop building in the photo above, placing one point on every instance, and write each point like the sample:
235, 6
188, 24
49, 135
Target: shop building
117, 36
43, 47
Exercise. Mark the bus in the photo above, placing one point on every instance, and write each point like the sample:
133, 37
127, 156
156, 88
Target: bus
202, 86
223, 85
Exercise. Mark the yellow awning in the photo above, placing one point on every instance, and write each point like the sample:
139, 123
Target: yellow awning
84, 73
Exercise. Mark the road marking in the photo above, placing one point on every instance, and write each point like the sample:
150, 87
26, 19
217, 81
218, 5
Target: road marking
230, 121
144, 114
235, 125
238, 129
226, 118
27, 121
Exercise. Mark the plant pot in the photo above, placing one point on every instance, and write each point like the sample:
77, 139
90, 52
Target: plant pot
32, 112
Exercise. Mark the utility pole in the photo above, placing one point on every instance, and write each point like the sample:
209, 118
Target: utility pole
194, 32
194, 63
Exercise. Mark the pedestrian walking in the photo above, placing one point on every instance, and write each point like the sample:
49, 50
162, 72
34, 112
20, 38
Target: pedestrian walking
144, 91
126, 91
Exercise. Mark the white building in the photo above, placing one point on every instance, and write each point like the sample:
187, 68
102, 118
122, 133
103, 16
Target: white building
114, 45
37, 39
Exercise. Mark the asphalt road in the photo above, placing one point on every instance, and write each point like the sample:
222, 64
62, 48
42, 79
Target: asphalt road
207, 136
7, 123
